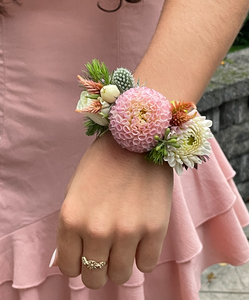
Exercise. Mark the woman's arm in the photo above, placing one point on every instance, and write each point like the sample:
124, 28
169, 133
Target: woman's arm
117, 206
191, 40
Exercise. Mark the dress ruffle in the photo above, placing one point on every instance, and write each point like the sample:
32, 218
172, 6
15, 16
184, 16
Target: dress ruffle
205, 228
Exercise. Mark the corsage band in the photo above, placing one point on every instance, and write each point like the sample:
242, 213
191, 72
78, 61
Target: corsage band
141, 119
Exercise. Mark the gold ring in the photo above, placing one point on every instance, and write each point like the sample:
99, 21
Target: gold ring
92, 264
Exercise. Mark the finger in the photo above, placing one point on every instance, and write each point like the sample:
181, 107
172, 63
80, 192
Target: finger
149, 251
121, 260
97, 251
54, 259
69, 250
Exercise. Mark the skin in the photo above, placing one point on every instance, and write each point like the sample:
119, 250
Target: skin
118, 203
117, 206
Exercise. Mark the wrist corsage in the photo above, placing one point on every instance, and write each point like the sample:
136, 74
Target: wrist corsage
143, 120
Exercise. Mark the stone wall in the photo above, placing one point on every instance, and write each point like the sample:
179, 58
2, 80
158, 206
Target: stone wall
226, 103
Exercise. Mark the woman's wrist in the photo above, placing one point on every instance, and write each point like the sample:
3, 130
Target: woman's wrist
141, 119
107, 149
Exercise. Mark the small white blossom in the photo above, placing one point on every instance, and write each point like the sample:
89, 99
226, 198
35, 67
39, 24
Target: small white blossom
192, 138
85, 106
83, 102
105, 107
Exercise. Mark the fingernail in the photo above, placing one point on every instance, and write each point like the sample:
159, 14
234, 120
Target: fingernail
52, 261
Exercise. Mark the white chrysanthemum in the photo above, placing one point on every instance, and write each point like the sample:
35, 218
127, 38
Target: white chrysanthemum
192, 138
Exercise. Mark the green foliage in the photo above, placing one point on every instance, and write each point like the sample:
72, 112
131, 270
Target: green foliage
94, 128
156, 155
98, 72
242, 38
160, 151
237, 48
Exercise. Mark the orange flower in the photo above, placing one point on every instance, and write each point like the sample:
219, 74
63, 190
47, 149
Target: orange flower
180, 112
94, 108
91, 86
182, 106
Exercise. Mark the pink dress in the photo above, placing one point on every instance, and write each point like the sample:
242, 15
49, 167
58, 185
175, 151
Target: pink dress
44, 45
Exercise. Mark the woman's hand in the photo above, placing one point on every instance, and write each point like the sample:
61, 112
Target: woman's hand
116, 209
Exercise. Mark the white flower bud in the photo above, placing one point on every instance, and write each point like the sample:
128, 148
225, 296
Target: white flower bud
105, 107
104, 103
109, 93
105, 111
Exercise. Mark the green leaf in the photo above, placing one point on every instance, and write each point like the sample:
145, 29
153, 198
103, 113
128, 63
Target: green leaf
98, 72
93, 96
105, 73
94, 128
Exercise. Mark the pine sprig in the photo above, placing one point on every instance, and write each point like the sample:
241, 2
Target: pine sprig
94, 128
98, 72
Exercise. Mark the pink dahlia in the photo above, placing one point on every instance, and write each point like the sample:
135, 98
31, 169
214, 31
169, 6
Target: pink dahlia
137, 116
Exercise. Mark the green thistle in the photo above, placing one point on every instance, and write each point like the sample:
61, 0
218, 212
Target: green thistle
123, 79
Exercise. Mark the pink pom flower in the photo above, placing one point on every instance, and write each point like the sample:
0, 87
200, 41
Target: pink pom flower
137, 116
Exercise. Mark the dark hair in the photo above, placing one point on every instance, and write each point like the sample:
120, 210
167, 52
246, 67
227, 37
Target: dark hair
118, 7
3, 10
